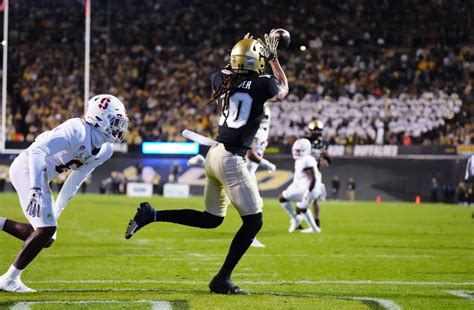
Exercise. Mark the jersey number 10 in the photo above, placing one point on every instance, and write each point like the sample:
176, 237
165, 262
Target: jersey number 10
238, 112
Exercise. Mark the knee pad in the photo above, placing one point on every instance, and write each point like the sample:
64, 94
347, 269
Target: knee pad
213, 221
253, 223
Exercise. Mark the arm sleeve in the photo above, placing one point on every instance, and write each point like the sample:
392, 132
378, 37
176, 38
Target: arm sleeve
46, 144
271, 86
74, 181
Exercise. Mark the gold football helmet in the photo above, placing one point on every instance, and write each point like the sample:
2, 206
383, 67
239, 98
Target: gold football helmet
316, 125
247, 55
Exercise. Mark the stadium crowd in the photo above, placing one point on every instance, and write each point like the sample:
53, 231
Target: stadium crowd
158, 56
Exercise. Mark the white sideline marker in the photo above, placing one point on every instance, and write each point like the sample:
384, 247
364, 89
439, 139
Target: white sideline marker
193, 136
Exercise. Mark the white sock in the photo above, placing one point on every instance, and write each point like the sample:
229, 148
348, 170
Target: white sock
287, 206
13, 273
308, 216
2, 222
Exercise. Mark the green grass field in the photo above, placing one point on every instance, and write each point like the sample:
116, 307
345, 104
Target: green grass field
377, 256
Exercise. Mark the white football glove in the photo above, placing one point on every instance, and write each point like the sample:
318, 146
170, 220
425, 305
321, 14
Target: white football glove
197, 160
308, 198
270, 46
267, 165
35, 202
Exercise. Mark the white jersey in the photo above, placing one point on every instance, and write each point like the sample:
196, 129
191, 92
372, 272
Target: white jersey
305, 162
66, 147
69, 147
260, 143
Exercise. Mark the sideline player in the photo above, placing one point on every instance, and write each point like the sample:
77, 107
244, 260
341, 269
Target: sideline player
319, 151
302, 190
244, 93
77, 144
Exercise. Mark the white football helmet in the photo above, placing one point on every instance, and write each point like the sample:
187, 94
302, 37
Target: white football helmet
107, 113
300, 148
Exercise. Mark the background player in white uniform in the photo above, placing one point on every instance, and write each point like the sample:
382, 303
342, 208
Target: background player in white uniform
254, 155
302, 190
77, 144
319, 151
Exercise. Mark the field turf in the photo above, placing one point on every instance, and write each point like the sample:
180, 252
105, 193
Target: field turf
369, 256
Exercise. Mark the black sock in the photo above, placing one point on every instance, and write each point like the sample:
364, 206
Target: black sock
241, 242
189, 218
317, 223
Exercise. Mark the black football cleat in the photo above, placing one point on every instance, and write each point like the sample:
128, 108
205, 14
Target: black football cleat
225, 286
144, 216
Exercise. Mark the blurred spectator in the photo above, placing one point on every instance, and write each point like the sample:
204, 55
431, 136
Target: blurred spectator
3, 177
461, 193
449, 193
175, 171
434, 190
86, 184
351, 189
335, 185
114, 184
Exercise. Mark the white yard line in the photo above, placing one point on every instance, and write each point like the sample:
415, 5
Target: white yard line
463, 294
301, 282
166, 305
154, 304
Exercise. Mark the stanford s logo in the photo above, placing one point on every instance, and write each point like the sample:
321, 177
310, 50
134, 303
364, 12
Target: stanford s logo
104, 103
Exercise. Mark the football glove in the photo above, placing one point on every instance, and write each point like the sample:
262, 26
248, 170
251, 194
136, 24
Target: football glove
267, 165
248, 36
197, 160
35, 203
270, 46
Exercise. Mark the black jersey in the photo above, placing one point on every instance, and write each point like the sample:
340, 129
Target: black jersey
240, 122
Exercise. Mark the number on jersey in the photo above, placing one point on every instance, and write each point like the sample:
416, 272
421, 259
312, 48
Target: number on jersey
238, 111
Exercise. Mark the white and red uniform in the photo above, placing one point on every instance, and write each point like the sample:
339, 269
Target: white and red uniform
259, 146
300, 184
69, 146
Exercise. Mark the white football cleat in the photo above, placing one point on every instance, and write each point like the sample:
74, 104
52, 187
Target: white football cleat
257, 244
310, 231
294, 224
14, 285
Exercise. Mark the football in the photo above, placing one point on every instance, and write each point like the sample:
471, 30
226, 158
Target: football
282, 35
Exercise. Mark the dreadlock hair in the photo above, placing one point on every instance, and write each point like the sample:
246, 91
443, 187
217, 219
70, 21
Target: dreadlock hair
228, 83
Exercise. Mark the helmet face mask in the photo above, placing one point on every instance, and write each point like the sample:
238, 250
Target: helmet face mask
248, 55
107, 114
300, 148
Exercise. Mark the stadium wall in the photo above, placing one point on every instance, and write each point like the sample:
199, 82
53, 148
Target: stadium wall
397, 178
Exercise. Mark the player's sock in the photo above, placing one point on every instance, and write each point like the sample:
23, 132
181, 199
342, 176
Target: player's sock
287, 207
2, 222
13, 273
241, 242
317, 222
189, 218
308, 216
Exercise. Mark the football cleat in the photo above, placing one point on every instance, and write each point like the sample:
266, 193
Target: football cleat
225, 286
294, 224
310, 231
144, 216
257, 244
14, 285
